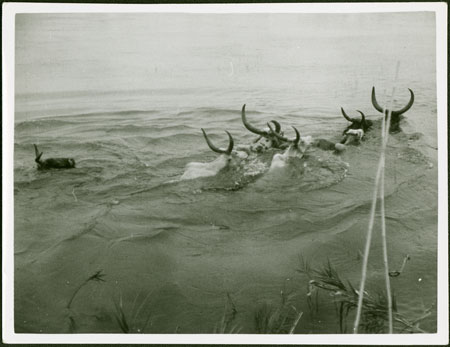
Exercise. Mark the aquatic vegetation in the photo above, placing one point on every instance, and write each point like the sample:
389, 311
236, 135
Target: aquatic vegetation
280, 319
345, 297
131, 322
224, 325
97, 276
121, 317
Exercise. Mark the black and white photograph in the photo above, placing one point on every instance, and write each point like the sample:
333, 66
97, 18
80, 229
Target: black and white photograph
225, 173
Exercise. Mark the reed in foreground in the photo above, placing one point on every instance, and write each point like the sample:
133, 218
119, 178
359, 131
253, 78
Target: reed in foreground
96, 277
280, 319
132, 322
345, 296
225, 326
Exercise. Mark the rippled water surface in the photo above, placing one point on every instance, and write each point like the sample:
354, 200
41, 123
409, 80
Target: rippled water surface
126, 96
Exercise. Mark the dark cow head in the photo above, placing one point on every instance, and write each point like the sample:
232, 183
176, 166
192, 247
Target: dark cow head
396, 116
356, 124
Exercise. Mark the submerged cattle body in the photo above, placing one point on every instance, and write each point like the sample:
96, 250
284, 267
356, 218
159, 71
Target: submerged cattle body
52, 163
273, 151
296, 149
234, 168
250, 160
239, 166
237, 162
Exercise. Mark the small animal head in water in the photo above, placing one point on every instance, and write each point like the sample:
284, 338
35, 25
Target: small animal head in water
267, 138
52, 163
357, 123
396, 116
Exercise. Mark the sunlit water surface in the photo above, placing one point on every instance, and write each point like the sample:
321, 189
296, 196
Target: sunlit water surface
126, 96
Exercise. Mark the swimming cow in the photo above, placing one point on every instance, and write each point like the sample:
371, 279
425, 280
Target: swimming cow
52, 163
354, 133
296, 149
196, 170
396, 116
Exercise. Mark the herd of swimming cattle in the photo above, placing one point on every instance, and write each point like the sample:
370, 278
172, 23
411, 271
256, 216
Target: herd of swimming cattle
273, 137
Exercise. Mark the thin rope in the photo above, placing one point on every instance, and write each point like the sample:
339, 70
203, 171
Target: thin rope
382, 207
380, 172
366, 251
385, 254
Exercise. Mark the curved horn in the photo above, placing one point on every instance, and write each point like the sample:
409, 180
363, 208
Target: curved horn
277, 125
393, 113
250, 127
407, 107
297, 136
363, 117
277, 135
375, 102
216, 149
346, 116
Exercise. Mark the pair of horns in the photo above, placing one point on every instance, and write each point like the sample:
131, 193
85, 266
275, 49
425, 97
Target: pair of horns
275, 132
257, 131
277, 135
352, 120
217, 149
393, 113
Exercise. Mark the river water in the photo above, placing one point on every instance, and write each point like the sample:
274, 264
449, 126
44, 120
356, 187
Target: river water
125, 95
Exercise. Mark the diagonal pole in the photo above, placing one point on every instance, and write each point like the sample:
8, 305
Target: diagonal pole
380, 173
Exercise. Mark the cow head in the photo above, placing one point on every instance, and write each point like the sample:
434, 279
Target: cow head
397, 115
356, 124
